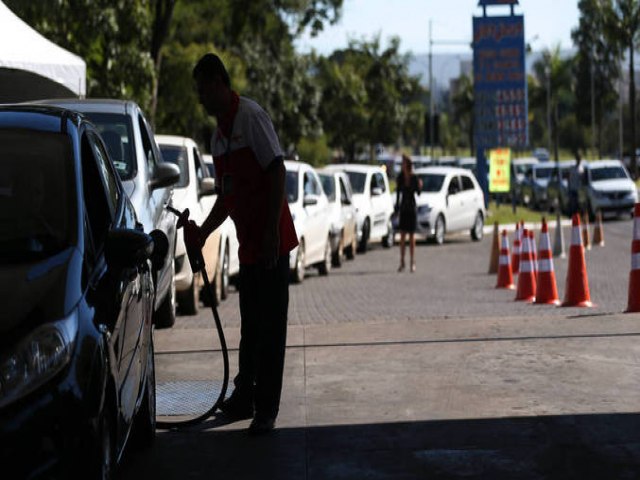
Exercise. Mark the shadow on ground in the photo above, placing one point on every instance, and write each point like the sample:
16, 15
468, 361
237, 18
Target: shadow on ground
568, 447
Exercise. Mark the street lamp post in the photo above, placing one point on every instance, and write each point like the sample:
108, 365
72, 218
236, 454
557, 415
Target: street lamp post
593, 104
547, 72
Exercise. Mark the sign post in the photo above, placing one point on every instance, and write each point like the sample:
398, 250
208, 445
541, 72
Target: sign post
500, 84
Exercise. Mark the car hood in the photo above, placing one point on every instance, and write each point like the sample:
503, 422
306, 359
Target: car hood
38, 292
613, 185
428, 199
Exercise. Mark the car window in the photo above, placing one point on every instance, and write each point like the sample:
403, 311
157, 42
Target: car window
329, 186
291, 186
357, 180
37, 195
454, 185
431, 182
178, 156
379, 182
467, 183
108, 176
345, 192
147, 146
201, 169
97, 207
117, 134
311, 186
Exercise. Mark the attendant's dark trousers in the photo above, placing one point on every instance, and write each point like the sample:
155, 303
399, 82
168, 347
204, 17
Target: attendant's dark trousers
264, 302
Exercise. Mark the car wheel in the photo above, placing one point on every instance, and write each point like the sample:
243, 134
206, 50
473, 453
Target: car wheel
477, 229
325, 266
188, 300
440, 230
351, 249
144, 423
364, 241
337, 257
165, 316
387, 240
224, 293
298, 271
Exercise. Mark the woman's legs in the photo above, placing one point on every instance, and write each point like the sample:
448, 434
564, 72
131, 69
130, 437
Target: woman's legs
402, 234
412, 250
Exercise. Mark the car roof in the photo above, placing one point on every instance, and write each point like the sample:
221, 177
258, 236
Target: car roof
173, 140
442, 170
354, 167
294, 165
604, 163
525, 160
95, 105
50, 118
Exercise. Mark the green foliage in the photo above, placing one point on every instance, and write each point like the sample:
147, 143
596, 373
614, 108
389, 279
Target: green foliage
314, 150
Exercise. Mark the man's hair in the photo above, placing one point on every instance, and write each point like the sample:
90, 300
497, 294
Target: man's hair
209, 66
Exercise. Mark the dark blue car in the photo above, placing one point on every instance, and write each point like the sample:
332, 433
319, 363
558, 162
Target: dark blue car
76, 287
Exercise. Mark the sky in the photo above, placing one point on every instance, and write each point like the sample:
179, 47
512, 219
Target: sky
547, 23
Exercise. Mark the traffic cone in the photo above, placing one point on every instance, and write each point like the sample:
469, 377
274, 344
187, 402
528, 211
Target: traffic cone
547, 290
558, 245
598, 231
515, 256
526, 279
534, 253
634, 277
495, 250
576, 292
585, 231
505, 276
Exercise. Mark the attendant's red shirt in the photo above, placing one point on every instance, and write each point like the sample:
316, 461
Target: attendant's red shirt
254, 145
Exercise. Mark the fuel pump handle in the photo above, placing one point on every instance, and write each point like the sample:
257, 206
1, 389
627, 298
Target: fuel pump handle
191, 239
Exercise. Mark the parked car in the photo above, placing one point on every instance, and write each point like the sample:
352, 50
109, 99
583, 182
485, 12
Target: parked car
195, 190
77, 384
558, 186
469, 163
450, 201
519, 167
534, 186
607, 187
342, 215
310, 211
373, 201
147, 180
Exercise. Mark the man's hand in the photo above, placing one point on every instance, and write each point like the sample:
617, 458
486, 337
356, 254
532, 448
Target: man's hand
271, 247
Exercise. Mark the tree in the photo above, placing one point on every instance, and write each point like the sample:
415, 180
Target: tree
622, 28
463, 103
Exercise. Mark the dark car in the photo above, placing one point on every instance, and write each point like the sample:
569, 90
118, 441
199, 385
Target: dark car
77, 377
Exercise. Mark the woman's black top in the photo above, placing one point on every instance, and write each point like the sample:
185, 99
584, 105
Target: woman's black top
406, 202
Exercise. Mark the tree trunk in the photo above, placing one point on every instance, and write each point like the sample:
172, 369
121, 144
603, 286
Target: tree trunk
161, 22
632, 106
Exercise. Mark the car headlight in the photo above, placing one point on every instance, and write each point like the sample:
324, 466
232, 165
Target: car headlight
424, 210
37, 358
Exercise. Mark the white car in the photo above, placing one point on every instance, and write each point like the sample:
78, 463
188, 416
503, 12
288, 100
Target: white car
607, 187
196, 191
342, 214
310, 211
373, 201
450, 201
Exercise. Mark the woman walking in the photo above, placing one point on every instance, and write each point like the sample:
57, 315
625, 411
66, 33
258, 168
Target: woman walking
407, 185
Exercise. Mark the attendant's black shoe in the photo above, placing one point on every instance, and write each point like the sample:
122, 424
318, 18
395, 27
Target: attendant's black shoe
262, 425
237, 407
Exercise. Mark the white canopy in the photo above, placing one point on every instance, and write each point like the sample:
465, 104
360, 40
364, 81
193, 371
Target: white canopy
32, 67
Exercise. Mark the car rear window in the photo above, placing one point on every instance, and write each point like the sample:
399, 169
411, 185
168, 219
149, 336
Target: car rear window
432, 182
117, 134
358, 181
178, 156
37, 195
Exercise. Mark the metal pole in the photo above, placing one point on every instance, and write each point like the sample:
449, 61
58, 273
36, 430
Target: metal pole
593, 106
547, 71
620, 119
431, 96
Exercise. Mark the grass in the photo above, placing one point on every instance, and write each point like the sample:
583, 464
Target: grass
503, 214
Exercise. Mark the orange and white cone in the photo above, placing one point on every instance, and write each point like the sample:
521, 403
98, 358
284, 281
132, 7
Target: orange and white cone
634, 277
534, 253
517, 244
547, 290
505, 276
576, 293
495, 250
585, 232
598, 231
526, 278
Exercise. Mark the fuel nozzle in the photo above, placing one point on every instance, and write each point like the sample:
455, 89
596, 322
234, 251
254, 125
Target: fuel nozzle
192, 239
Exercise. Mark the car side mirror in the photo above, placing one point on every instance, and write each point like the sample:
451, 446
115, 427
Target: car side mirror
165, 175
375, 191
207, 187
310, 200
127, 248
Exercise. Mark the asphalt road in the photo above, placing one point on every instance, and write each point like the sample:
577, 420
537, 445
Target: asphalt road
434, 374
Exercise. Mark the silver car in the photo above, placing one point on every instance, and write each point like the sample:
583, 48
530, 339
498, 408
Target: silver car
147, 180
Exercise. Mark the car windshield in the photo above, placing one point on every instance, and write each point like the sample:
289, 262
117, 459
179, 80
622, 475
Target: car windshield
329, 187
178, 156
521, 168
544, 172
291, 186
431, 182
117, 134
358, 181
607, 173
37, 195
